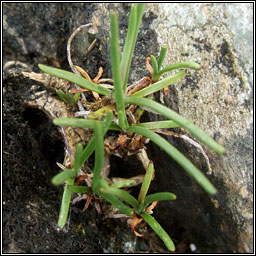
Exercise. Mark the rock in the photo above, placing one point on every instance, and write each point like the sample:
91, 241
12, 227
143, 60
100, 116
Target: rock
218, 98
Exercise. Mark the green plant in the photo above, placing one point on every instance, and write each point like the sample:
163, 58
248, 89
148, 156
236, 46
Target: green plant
68, 97
123, 99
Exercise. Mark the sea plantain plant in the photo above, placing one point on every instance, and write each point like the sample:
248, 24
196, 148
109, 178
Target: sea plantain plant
127, 103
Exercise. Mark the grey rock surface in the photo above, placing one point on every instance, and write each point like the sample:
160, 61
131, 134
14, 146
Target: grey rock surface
218, 97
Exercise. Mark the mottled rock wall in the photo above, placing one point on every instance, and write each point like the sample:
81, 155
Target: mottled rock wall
219, 98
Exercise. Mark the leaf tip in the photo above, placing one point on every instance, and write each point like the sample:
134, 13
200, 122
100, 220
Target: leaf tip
41, 66
54, 182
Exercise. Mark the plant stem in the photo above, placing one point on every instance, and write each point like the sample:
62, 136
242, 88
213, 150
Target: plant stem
116, 71
146, 183
99, 153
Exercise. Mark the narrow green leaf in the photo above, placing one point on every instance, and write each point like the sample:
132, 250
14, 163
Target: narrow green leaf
123, 183
161, 56
85, 123
101, 112
65, 203
76, 79
115, 127
78, 152
170, 114
66, 97
138, 114
76, 97
198, 176
146, 183
136, 15
61, 177
140, 11
159, 231
61, 94
107, 122
116, 71
121, 194
79, 189
159, 85
99, 153
154, 64
117, 203
129, 47
185, 64
102, 184
88, 150
74, 122
91, 145
160, 196
159, 124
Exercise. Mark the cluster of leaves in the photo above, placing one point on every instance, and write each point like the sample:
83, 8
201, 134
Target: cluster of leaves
68, 97
114, 193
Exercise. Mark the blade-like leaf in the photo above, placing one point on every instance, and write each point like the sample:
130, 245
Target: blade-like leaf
88, 150
154, 64
65, 203
128, 47
79, 189
137, 11
78, 152
61, 177
177, 156
159, 124
99, 152
76, 97
91, 145
67, 98
160, 196
146, 182
117, 203
116, 71
161, 56
159, 85
159, 231
186, 64
101, 112
170, 114
123, 183
121, 194
76, 79
74, 122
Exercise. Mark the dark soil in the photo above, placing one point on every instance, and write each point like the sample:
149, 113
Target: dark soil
31, 148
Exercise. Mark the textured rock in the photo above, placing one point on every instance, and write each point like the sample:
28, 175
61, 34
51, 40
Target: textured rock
218, 97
